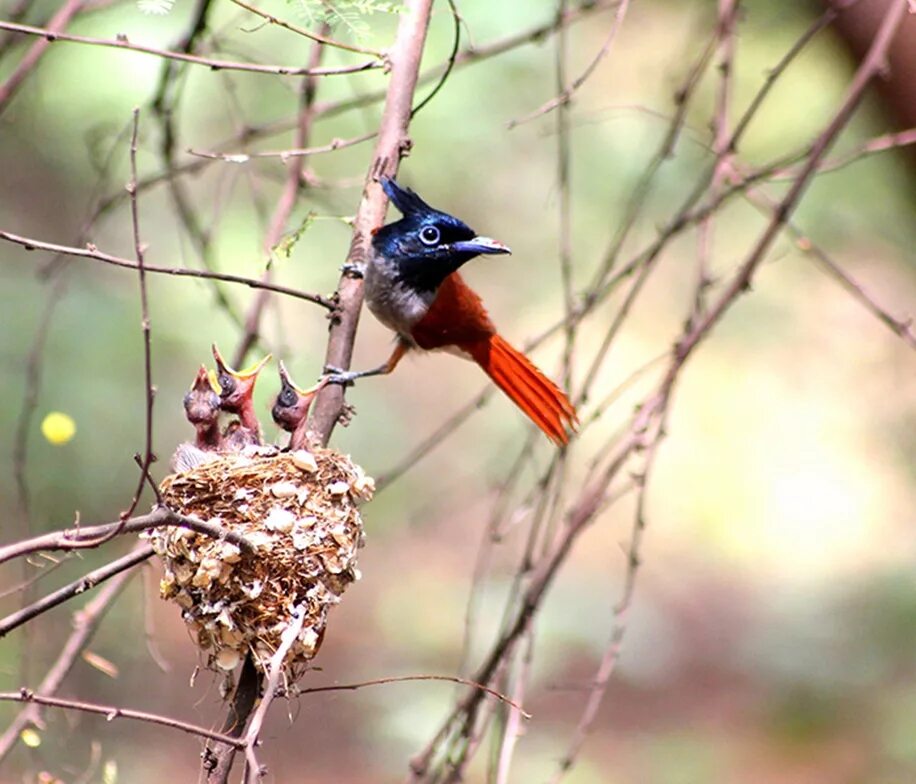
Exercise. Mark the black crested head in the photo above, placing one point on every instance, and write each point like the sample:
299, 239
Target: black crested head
426, 244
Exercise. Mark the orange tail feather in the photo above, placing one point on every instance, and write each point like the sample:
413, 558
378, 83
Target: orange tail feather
528, 388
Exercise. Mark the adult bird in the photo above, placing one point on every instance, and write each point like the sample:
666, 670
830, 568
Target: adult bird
291, 408
237, 397
412, 286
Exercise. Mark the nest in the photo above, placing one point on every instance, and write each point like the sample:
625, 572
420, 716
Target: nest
299, 512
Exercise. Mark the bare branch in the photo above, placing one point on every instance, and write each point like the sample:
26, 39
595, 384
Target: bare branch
284, 155
214, 64
274, 673
148, 457
566, 93
91, 252
111, 712
393, 142
82, 538
411, 678
67, 592
319, 37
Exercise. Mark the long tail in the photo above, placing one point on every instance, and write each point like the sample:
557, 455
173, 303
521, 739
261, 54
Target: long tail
528, 388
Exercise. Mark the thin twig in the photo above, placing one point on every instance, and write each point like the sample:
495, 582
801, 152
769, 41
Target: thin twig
468, 56
410, 678
33, 371
91, 252
564, 175
284, 155
566, 93
449, 64
111, 712
318, 37
88, 581
148, 457
80, 538
883, 143
621, 611
274, 673
214, 64
902, 327
728, 14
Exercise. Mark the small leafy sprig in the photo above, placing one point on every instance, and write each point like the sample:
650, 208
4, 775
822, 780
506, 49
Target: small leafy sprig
352, 15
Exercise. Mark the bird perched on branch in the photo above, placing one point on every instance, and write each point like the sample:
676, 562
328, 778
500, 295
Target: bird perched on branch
291, 408
236, 397
201, 407
413, 287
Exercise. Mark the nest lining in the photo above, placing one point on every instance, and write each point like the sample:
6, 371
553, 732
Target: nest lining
300, 512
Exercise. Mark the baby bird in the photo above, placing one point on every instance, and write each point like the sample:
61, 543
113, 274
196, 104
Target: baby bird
291, 408
201, 407
237, 397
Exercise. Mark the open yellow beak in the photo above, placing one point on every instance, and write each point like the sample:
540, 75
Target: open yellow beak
249, 372
288, 381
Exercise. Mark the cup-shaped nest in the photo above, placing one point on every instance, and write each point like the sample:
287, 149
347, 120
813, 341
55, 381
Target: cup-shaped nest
299, 511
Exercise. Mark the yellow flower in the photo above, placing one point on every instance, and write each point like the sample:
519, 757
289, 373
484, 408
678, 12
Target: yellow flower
30, 738
58, 428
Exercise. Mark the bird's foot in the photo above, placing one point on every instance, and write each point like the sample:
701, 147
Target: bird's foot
336, 375
354, 269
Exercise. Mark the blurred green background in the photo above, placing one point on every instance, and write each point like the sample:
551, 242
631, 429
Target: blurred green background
773, 634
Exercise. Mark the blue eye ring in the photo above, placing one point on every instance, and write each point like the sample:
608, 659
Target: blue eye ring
430, 235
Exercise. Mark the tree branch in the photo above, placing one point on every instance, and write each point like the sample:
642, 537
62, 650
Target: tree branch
121, 42
393, 143
91, 252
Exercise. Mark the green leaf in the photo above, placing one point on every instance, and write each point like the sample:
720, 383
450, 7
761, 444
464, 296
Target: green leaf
284, 247
351, 15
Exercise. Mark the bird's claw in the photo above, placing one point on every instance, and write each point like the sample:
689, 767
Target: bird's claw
336, 375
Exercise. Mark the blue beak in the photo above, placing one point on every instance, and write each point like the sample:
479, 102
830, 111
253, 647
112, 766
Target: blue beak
480, 245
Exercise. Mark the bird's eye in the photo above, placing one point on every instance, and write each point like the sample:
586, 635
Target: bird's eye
287, 398
430, 235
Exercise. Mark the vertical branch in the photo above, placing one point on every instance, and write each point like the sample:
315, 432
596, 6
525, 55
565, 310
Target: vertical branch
393, 143
621, 611
514, 721
274, 674
728, 13
148, 457
216, 761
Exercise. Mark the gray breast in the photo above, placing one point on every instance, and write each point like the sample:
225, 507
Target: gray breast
393, 303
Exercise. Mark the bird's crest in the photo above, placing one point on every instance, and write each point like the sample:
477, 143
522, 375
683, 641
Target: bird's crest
404, 198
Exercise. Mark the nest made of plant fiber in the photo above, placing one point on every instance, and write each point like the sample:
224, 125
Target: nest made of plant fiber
299, 511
